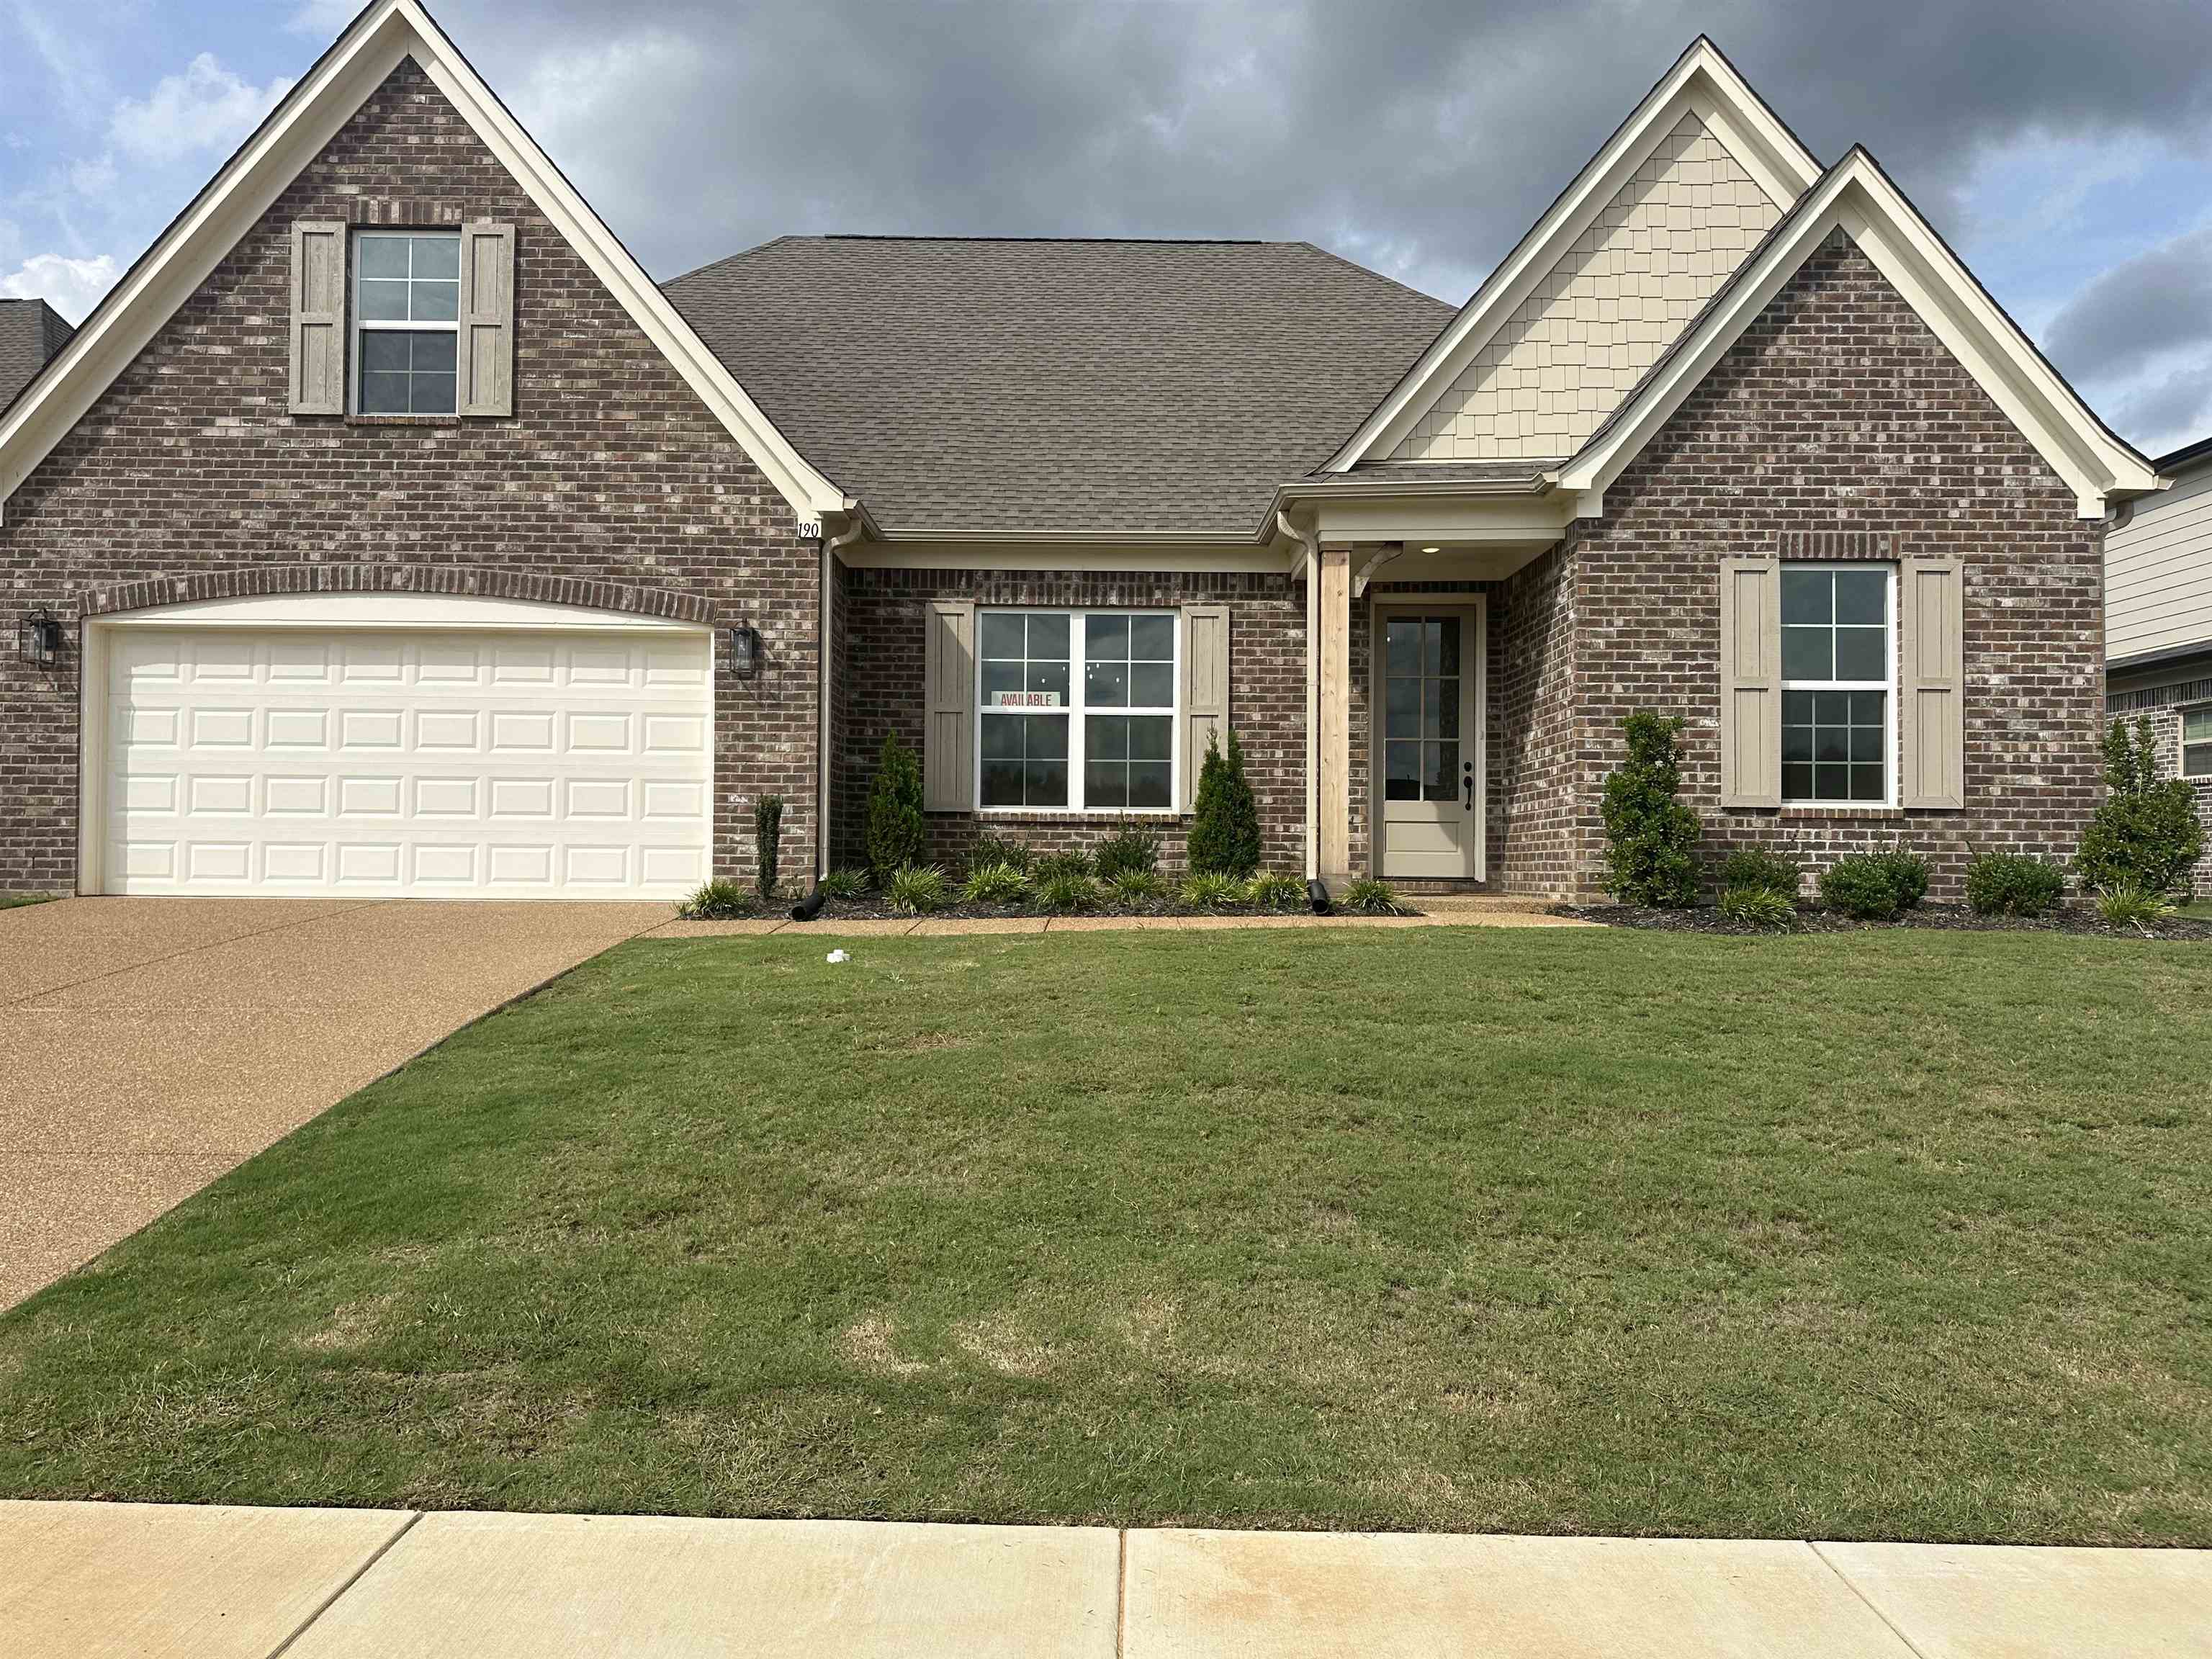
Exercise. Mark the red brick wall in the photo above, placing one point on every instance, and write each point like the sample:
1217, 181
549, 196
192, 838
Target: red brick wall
612, 484
1535, 766
1840, 427
883, 636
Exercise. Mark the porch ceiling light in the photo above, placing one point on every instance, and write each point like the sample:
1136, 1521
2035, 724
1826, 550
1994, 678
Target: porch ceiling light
39, 641
745, 651
1432, 549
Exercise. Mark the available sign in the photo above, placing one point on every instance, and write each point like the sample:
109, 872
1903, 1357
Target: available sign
1025, 700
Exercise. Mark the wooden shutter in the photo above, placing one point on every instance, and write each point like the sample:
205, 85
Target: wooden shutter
1750, 682
1931, 715
1205, 691
487, 333
948, 740
318, 342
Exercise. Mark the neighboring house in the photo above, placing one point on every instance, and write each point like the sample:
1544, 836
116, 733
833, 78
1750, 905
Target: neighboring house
401, 536
2158, 623
31, 333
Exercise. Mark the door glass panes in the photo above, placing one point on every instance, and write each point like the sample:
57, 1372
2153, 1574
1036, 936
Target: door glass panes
1421, 708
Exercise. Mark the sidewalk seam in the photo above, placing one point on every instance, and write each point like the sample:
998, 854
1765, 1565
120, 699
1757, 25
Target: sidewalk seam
353, 1578
1121, 1593
1889, 1624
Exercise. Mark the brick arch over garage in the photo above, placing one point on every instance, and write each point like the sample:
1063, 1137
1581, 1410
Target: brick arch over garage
387, 576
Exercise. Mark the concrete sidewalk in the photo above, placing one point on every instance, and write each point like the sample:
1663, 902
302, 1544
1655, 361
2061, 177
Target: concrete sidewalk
94, 1580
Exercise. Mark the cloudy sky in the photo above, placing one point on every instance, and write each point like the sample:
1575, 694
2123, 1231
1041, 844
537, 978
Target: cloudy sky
2064, 148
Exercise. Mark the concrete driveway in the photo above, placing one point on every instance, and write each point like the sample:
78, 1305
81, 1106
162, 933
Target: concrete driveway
148, 1045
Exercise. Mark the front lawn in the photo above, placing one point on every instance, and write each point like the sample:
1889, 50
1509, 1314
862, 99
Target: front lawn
1896, 1235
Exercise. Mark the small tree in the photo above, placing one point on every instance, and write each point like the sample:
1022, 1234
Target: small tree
1651, 833
767, 837
2145, 835
897, 831
1224, 831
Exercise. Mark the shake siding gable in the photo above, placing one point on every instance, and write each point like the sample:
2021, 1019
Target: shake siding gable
611, 483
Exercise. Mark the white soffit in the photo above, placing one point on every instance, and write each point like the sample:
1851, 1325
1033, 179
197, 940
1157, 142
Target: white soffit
1859, 197
373, 46
1702, 83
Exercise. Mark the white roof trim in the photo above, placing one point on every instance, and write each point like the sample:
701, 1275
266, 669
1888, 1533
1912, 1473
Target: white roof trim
1859, 197
1702, 83
373, 46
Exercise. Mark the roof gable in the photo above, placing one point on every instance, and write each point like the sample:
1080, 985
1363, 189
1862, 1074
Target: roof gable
340, 82
1492, 381
1858, 198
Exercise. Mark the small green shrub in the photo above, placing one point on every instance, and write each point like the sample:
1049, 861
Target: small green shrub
999, 849
2133, 906
2013, 884
896, 831
1908, 877
1759, 907
845, 884
720, 900
768, 841
1370, 895
1756, 867
1075, 863
2145, 832
1224, 830
1138, 887
994, 884
1211, 890
915, 889
1875, 886
1274, 891
1132, 849
1067, 892
1650, 833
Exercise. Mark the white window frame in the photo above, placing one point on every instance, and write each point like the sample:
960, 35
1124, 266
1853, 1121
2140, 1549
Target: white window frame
2183, 745
1078, 710
359, 325
1890, 766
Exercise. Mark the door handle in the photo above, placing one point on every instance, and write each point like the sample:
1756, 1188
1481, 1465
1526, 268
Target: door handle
1468, 777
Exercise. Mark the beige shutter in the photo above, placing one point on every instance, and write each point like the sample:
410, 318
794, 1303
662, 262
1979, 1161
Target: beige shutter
1205, 691
1931, 683
487, 342
319, 345
1750, 682
948, 739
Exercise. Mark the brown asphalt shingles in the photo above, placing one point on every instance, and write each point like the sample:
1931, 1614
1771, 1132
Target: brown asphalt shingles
149, 1045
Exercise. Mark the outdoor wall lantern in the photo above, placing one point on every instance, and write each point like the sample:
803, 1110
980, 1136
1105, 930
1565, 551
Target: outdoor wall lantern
40, 641
745, 651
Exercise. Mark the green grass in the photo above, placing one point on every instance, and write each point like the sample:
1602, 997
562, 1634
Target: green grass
1890, 1234
16, 900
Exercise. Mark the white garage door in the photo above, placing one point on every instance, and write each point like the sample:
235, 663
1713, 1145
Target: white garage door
458, 763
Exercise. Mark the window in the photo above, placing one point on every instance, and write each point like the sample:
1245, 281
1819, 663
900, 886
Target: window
1838, 713
1421, 735
1078, 710
2196, 741
406, 308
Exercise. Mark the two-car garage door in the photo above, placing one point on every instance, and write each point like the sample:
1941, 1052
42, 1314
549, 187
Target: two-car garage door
480, 762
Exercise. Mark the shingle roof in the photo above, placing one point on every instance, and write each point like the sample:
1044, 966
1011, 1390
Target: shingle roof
1059, 386
31, 333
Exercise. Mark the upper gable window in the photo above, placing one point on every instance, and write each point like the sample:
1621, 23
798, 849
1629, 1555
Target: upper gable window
406, 308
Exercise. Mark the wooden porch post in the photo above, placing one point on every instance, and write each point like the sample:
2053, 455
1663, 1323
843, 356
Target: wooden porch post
1334, 771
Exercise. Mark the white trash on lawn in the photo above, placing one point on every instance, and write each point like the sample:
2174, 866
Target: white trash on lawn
839, 955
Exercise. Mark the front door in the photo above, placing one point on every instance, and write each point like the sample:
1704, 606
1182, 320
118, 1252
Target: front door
1429, 671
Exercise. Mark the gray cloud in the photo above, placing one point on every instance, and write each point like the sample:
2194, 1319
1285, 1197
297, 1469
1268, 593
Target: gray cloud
2141, 308
2169, 411
1421, 137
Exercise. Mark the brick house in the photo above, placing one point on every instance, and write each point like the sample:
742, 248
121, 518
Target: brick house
389, 530
2158, 634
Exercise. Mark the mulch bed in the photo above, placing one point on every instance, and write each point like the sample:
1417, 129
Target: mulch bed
1953, 917
875, 907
